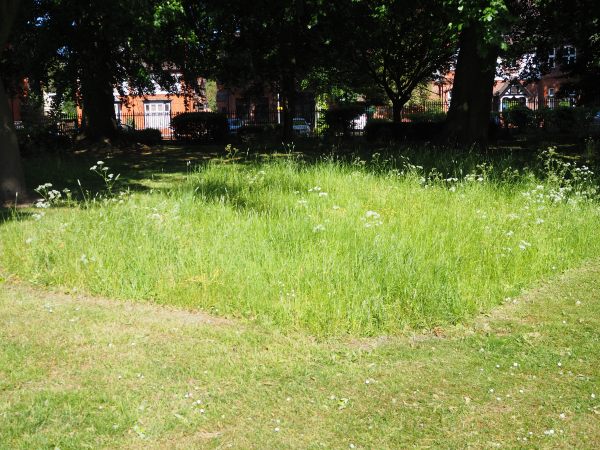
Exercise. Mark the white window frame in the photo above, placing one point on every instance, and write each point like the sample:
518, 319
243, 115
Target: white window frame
569, 54
157, 107
552, 58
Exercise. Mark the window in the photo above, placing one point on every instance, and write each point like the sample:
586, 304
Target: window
550, 92
118, 111
569, 55
157, 107
157, 114
552, 58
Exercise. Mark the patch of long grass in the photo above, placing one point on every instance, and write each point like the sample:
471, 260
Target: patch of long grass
330, 247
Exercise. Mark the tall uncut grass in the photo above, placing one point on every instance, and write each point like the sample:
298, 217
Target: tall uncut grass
330, 247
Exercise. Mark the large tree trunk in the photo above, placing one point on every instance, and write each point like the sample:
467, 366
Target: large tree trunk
469, 114
99, 122
397, 106
12, 182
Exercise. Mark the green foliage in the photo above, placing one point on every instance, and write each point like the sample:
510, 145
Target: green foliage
394, 46
386, 131
148, 136
40, 137
426, 116
519, 116
211, 94
338, 118
199, 126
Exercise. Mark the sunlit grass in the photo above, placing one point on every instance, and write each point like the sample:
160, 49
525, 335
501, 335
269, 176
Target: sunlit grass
328, 247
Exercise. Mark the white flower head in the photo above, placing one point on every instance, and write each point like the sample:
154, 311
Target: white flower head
318, 228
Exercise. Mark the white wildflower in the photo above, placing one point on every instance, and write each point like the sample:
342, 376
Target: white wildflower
318, 228
523, 245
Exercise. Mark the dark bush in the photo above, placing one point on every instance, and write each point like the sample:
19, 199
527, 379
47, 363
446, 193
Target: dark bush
149, 136
200, 126
37, 138
259, 129
426, 116
386, 130
576, 121
520, 116
338, 119
251, 130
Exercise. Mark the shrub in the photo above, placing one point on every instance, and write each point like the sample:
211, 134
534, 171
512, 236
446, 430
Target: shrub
338, 119
199, 126
149, 136
426, 116
519, 116
40, 137
386, 130
260, 130
567, 120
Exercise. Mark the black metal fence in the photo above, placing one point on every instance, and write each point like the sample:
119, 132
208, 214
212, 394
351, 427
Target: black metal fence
306, 122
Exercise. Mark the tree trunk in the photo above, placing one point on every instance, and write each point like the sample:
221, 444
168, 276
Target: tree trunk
12, 181
469, 114
99, 122
397, 106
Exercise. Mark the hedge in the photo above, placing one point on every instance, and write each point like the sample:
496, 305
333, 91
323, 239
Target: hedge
199, 126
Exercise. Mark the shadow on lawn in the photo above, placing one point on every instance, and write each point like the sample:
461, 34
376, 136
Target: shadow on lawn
13, 215
163, 167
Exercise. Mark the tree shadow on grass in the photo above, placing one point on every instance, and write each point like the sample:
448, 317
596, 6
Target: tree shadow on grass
13, 215
163, 168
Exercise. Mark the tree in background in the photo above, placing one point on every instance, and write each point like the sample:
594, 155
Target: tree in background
12, 182
576, 24
482, 25
392, 45
489, 29
87, 49
264, 45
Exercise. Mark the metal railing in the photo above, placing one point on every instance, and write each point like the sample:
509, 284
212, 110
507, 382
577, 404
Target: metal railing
307, 121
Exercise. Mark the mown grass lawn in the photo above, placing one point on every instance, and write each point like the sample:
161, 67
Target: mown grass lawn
79, 372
